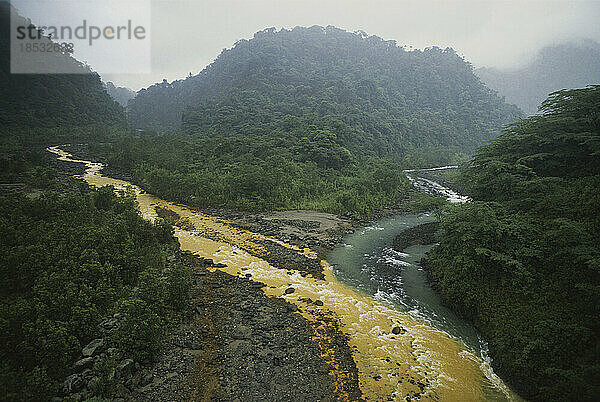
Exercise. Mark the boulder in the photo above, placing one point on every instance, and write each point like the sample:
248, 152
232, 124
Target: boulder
85, 363
73, 383
94, 347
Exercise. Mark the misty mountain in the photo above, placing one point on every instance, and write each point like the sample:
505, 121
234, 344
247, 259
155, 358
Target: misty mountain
382, 97
563, 66
51, 100
121, 94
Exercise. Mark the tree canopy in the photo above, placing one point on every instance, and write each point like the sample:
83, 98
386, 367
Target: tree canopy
522, 260
383, 98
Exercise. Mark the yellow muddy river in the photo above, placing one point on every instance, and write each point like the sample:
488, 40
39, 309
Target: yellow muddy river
421, 360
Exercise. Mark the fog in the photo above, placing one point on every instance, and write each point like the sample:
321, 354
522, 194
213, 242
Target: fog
188, 35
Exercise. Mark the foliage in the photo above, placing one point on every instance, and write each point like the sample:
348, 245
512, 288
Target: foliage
51, 100
315, 118
522, 260
68, 262
381, 98
258, 173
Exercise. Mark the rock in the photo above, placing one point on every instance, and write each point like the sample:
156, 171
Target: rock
93, 383
85, 363
398, 330
146, 378
289, 291
94, 347
73, 383
126, 367
241, 332
318, 303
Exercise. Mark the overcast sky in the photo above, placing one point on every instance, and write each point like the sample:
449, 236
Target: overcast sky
187, 35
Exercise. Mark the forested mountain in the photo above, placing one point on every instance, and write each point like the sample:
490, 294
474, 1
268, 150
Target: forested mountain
121, 94
563, 66
522, 259
380, 97
51, 100
315, 118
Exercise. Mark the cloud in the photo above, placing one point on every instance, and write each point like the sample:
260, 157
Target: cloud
188, 35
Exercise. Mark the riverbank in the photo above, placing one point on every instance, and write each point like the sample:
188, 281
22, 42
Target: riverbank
396, 355
238, 343
423, 234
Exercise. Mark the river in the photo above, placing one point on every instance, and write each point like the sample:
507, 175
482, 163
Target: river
367, 261
405, 343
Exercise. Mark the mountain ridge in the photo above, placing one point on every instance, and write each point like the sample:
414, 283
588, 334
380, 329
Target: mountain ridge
568, 65
331, 72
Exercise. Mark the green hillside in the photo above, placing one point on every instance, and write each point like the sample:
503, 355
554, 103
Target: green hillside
315, 118
387, 98
522, 259
51, 102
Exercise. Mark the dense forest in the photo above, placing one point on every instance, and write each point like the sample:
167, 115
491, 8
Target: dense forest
562, 66
68, 263
385, 97
522, 259
46, 106
71, 258
315, 118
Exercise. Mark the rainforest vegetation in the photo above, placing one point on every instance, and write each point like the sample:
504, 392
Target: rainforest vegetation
315, 118
312, 118
69, 262
384, 96
52, 107
522, 260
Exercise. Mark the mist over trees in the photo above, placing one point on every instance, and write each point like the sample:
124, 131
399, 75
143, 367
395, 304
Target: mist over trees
121, 94
380, 92
562, 66
50, 101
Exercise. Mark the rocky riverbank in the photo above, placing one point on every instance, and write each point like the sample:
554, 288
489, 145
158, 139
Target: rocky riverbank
236, 343
421, 234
